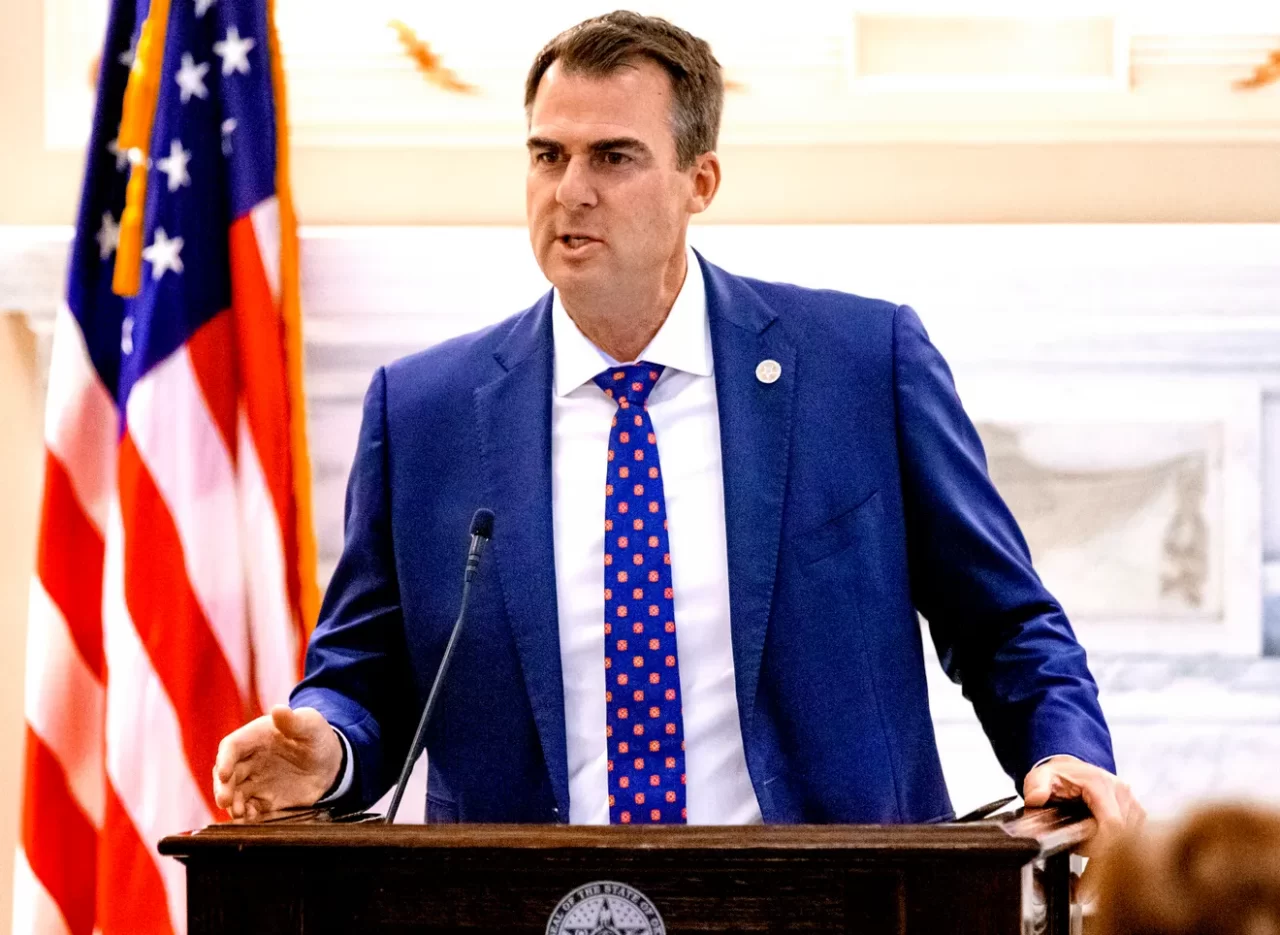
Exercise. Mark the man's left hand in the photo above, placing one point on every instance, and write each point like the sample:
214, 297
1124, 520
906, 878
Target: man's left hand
1114, 808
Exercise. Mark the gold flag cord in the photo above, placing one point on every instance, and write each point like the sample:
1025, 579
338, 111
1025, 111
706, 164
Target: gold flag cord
136, 119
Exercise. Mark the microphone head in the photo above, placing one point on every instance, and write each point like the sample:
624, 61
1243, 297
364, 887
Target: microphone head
482, 524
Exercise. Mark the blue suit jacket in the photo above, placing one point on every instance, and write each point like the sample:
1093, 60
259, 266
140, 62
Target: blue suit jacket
856, 492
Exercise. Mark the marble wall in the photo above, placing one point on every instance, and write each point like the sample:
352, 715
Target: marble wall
1124, 379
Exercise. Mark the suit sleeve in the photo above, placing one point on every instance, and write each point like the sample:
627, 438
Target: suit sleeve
998, 631
356, 670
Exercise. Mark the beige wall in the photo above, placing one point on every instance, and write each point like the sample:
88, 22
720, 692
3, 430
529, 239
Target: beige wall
20, 416
37, 186
883, 183
874, 184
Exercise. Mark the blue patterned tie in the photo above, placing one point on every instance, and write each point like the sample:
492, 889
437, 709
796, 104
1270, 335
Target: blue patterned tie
645, 727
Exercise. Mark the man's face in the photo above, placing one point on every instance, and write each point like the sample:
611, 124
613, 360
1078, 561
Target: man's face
607, 207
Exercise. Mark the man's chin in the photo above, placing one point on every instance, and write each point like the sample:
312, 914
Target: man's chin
575, 274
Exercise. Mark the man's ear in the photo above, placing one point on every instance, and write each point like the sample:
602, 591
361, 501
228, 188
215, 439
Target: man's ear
706, 182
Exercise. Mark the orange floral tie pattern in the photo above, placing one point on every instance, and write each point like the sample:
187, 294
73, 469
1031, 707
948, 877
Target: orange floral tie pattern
644, 723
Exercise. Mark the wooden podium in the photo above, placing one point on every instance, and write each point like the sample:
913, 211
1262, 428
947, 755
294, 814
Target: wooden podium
307, 875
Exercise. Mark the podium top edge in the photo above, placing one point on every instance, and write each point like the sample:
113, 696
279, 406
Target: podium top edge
1025, 837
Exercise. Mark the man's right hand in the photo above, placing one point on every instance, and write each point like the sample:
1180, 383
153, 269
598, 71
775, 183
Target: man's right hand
283, 759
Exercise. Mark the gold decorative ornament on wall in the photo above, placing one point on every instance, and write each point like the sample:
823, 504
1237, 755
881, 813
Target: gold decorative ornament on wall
1263, 75
428, 62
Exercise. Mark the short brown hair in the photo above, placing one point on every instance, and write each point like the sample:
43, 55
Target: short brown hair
603, 44
1215, 873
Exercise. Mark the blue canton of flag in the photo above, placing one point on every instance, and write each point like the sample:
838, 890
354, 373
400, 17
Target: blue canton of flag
212, 159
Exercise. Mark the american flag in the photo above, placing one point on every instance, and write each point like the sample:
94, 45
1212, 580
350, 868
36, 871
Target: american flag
175, 572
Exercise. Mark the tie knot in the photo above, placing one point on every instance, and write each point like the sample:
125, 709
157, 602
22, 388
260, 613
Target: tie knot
629, 384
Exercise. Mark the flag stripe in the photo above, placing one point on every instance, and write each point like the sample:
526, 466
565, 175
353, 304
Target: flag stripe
154, 784
189, 463
267, 396
271, 621
69, 563
53, 829
80, 420
217, 374
265, 218
34, 910
171, 626
65, 703
132, 896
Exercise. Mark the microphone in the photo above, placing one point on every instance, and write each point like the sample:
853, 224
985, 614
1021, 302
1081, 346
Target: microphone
481, 532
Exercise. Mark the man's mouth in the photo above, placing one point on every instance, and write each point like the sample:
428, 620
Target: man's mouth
573, 241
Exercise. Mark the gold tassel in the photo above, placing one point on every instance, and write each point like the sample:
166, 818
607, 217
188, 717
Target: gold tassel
136, 119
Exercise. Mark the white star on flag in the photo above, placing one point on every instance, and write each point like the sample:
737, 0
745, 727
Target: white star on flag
108, 235
190, 78
202, 7
234, 52
126, 335
163, 254
228, 127
122, 155
174, 165
126, 57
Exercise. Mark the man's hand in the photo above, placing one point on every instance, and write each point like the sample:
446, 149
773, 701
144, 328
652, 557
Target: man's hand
282, 759
1063, 778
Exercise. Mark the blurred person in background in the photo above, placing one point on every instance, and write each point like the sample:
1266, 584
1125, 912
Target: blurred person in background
1216, 872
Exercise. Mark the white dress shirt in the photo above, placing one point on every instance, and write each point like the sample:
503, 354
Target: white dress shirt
683, 408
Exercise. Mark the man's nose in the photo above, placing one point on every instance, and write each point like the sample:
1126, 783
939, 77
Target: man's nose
576, 188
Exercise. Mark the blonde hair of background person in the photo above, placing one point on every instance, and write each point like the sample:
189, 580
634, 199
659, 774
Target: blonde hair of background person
1216, 872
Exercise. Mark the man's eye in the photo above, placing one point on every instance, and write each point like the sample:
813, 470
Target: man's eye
545, 157
616, 158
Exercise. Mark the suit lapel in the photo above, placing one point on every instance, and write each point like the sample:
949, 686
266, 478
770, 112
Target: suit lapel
513, 413
755, 443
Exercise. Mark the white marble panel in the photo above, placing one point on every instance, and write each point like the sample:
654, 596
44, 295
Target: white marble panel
1186, 729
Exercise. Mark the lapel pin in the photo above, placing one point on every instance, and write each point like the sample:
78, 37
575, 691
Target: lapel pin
768, 371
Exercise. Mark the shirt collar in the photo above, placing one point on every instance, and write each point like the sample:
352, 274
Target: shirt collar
682, 343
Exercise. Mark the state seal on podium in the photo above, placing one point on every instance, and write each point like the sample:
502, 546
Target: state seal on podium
605, 908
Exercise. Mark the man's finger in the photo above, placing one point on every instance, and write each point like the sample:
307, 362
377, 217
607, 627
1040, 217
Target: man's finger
228, 779
243, 771
1037, 787
240, 743
221, 791
228, 754
1100, 795
287, 721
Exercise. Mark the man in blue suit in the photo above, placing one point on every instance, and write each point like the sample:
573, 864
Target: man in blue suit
720, 504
